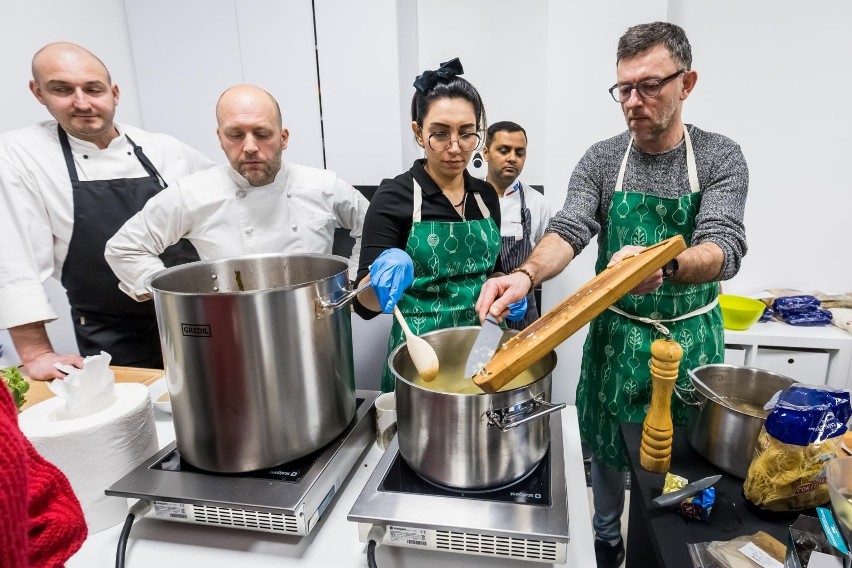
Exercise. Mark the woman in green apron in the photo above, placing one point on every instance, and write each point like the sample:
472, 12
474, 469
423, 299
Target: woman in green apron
446, 221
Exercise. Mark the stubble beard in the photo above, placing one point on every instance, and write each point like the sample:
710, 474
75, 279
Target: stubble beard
659, 126
265, 176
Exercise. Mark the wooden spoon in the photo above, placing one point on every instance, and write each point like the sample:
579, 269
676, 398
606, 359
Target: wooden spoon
422, 354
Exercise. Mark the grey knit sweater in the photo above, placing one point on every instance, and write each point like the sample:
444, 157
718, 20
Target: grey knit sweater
722, 177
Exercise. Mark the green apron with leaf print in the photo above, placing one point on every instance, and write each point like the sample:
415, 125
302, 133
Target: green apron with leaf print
451, 262
615, 383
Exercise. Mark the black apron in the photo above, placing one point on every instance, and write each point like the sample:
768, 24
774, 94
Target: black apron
513, 253
105, 318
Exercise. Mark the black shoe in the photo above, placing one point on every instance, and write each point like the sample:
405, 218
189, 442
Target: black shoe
607, 555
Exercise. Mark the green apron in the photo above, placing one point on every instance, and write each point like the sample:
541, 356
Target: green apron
615, 383
451, 262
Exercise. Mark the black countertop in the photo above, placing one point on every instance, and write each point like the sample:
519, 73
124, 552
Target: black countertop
658, 537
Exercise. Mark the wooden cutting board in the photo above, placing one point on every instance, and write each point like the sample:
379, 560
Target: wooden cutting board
38, 389
554, 327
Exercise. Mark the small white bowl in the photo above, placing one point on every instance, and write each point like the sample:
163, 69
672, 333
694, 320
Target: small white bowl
159, 390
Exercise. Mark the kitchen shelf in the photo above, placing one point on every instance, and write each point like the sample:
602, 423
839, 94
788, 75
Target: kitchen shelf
770, 344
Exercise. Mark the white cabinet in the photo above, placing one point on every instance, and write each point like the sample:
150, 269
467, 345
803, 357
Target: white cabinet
810, 367
735, 355
814, 355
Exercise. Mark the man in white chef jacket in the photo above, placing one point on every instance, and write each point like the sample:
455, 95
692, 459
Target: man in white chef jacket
66, 186
256, 204
524, 212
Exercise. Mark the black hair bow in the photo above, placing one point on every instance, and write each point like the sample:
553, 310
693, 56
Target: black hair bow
423, 83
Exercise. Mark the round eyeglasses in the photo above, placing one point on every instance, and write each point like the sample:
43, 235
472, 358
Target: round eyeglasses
647, 89
442, 141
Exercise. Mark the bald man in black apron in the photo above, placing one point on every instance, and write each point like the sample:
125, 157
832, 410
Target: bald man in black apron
70, 184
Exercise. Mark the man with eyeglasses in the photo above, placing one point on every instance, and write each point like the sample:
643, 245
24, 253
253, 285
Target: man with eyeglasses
658, 179
256, 204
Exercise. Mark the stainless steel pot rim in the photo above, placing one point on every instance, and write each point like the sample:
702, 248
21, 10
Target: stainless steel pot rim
457, 394
763, 372
694, 387
151, 286
399, 377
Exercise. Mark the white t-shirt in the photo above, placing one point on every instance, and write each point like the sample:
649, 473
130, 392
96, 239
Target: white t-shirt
37, 203
224, 216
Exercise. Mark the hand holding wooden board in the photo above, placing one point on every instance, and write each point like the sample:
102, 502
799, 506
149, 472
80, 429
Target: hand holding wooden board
557, 325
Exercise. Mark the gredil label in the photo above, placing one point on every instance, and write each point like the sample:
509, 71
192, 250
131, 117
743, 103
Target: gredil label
195, 330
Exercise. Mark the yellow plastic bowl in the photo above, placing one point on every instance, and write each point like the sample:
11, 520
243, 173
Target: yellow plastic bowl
739, 312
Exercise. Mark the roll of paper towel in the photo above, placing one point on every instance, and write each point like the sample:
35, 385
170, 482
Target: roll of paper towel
96, 450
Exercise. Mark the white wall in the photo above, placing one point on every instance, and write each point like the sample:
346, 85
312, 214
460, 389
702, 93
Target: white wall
774, 77
184, 62
361, 87
503, 50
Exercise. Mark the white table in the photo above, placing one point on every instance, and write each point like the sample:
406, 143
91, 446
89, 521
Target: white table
333, 543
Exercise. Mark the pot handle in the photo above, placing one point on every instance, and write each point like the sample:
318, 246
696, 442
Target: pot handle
508, 418
325, 306
687, 392
147, 285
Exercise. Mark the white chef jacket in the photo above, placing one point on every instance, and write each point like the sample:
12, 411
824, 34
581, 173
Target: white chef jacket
510, 212
37, 203
223, 216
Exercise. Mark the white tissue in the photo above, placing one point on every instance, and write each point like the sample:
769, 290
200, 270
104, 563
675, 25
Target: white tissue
87, 390
96, 449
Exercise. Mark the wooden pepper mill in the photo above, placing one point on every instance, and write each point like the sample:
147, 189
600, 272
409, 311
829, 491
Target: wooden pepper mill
655, 452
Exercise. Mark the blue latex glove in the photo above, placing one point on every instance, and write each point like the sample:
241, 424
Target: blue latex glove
518, 310
390, 275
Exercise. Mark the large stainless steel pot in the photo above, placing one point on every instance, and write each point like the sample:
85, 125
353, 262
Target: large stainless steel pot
726, 436
258, 354
470, 441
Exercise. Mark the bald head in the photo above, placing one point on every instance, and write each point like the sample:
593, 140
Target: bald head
251, 133
247, 99
77, 90
65, 54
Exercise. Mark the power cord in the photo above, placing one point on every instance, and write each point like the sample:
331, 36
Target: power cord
138, 510
375, 537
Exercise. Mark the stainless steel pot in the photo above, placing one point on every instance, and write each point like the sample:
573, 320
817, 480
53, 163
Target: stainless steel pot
726, 436
470, 441
258, 354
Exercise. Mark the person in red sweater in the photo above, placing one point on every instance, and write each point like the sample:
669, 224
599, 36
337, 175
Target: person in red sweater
41, 522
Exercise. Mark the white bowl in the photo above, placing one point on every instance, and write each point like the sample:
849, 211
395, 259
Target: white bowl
157, 390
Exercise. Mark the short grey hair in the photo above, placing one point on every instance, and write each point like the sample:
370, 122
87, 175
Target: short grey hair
639, 39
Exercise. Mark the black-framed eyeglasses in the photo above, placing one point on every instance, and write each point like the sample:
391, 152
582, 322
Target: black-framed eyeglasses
442, 141
648, 89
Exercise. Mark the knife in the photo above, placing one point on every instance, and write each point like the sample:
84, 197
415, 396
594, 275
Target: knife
484, 347
690, 489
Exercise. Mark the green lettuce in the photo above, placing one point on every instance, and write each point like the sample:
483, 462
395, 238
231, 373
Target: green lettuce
16, 383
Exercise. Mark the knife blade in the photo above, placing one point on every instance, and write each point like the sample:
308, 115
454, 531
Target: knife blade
690, 489
485, 346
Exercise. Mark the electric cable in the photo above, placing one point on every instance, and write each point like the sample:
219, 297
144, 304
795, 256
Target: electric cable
375, 537
139, 509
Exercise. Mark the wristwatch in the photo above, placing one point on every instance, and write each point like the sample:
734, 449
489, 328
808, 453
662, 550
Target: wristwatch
670, 269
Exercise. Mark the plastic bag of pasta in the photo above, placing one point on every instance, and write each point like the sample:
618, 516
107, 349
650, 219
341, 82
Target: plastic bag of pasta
801, 433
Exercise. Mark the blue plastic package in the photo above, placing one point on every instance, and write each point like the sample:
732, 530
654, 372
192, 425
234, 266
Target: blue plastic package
699, 506
805, 415
767, 314
795, 304
812, 318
